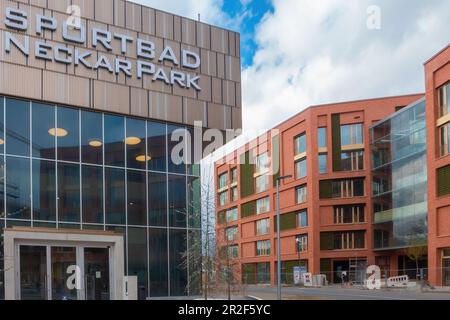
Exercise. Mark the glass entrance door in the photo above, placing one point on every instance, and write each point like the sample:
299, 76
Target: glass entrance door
96, 273
33, 273
63, 273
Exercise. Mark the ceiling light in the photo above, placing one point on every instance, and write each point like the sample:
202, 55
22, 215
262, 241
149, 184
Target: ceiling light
59, 132
2, 141
95, 143
132, 141
143, 158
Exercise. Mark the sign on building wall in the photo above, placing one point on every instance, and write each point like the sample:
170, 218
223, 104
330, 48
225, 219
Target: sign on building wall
148, 63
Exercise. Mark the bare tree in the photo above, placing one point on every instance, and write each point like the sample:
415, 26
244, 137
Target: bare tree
200, 257
416, 251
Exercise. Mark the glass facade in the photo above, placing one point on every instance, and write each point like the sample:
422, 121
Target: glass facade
399, 179
70, 168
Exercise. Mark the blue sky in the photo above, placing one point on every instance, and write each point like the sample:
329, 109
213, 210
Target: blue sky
251, 11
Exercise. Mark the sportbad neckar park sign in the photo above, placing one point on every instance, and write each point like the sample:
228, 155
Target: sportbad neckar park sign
77, 34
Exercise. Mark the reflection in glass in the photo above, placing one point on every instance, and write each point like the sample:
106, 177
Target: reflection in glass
114, 141
18, 188
135, 142
67, 134
68, 192
136, 184
157, 241
92, 191
322, 137
322, 163
96, 273
193, 160
2, 196
194, 202
61, 259
156, 144
137, 257
33, 273
115, 196
177, 201
178, 274
195, 262
399, 181
157, 199
176, 147
91, 137
17, 127
43, 120
2, 128
44, 190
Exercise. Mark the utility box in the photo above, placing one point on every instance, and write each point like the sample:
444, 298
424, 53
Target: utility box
130, 288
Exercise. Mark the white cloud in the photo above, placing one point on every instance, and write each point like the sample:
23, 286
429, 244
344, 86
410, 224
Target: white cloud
210, 10
313, 52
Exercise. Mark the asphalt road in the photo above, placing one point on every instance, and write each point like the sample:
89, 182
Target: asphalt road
340, 293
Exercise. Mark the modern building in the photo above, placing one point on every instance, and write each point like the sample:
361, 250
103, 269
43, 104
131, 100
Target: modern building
326, 211
94, 108
399, 189
437, 85
370, 180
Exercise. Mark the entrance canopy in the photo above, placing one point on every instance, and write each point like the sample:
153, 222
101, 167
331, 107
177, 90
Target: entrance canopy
53, 277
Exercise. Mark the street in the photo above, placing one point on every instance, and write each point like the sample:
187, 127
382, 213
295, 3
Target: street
340, 293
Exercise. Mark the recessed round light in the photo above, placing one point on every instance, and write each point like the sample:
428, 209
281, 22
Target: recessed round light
143, 158
132, 141
2, 141
95, 143
59, 132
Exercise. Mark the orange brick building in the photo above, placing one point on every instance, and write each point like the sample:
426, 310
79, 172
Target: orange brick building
437, 75
327, 214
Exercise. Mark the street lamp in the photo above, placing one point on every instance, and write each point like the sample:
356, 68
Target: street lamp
278, 179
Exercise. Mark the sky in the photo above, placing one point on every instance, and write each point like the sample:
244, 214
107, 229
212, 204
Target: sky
297, 53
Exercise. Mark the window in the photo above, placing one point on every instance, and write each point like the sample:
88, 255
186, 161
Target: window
349, 240
234, 194
344, 240
231, 233
223, 198
67, 134
352, 161
262, 183
444, 100
302, 242
135, 143
263, 248
234, 175
348, 188
262, 162
443, 181
351, 134
300, 144
262, 227
91, 137
233, 251
348, 214
301, 194
231, 214
322, 163
300, 169
322, 137
262, 205
445, 139
223, 180
114, 140
302, 219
